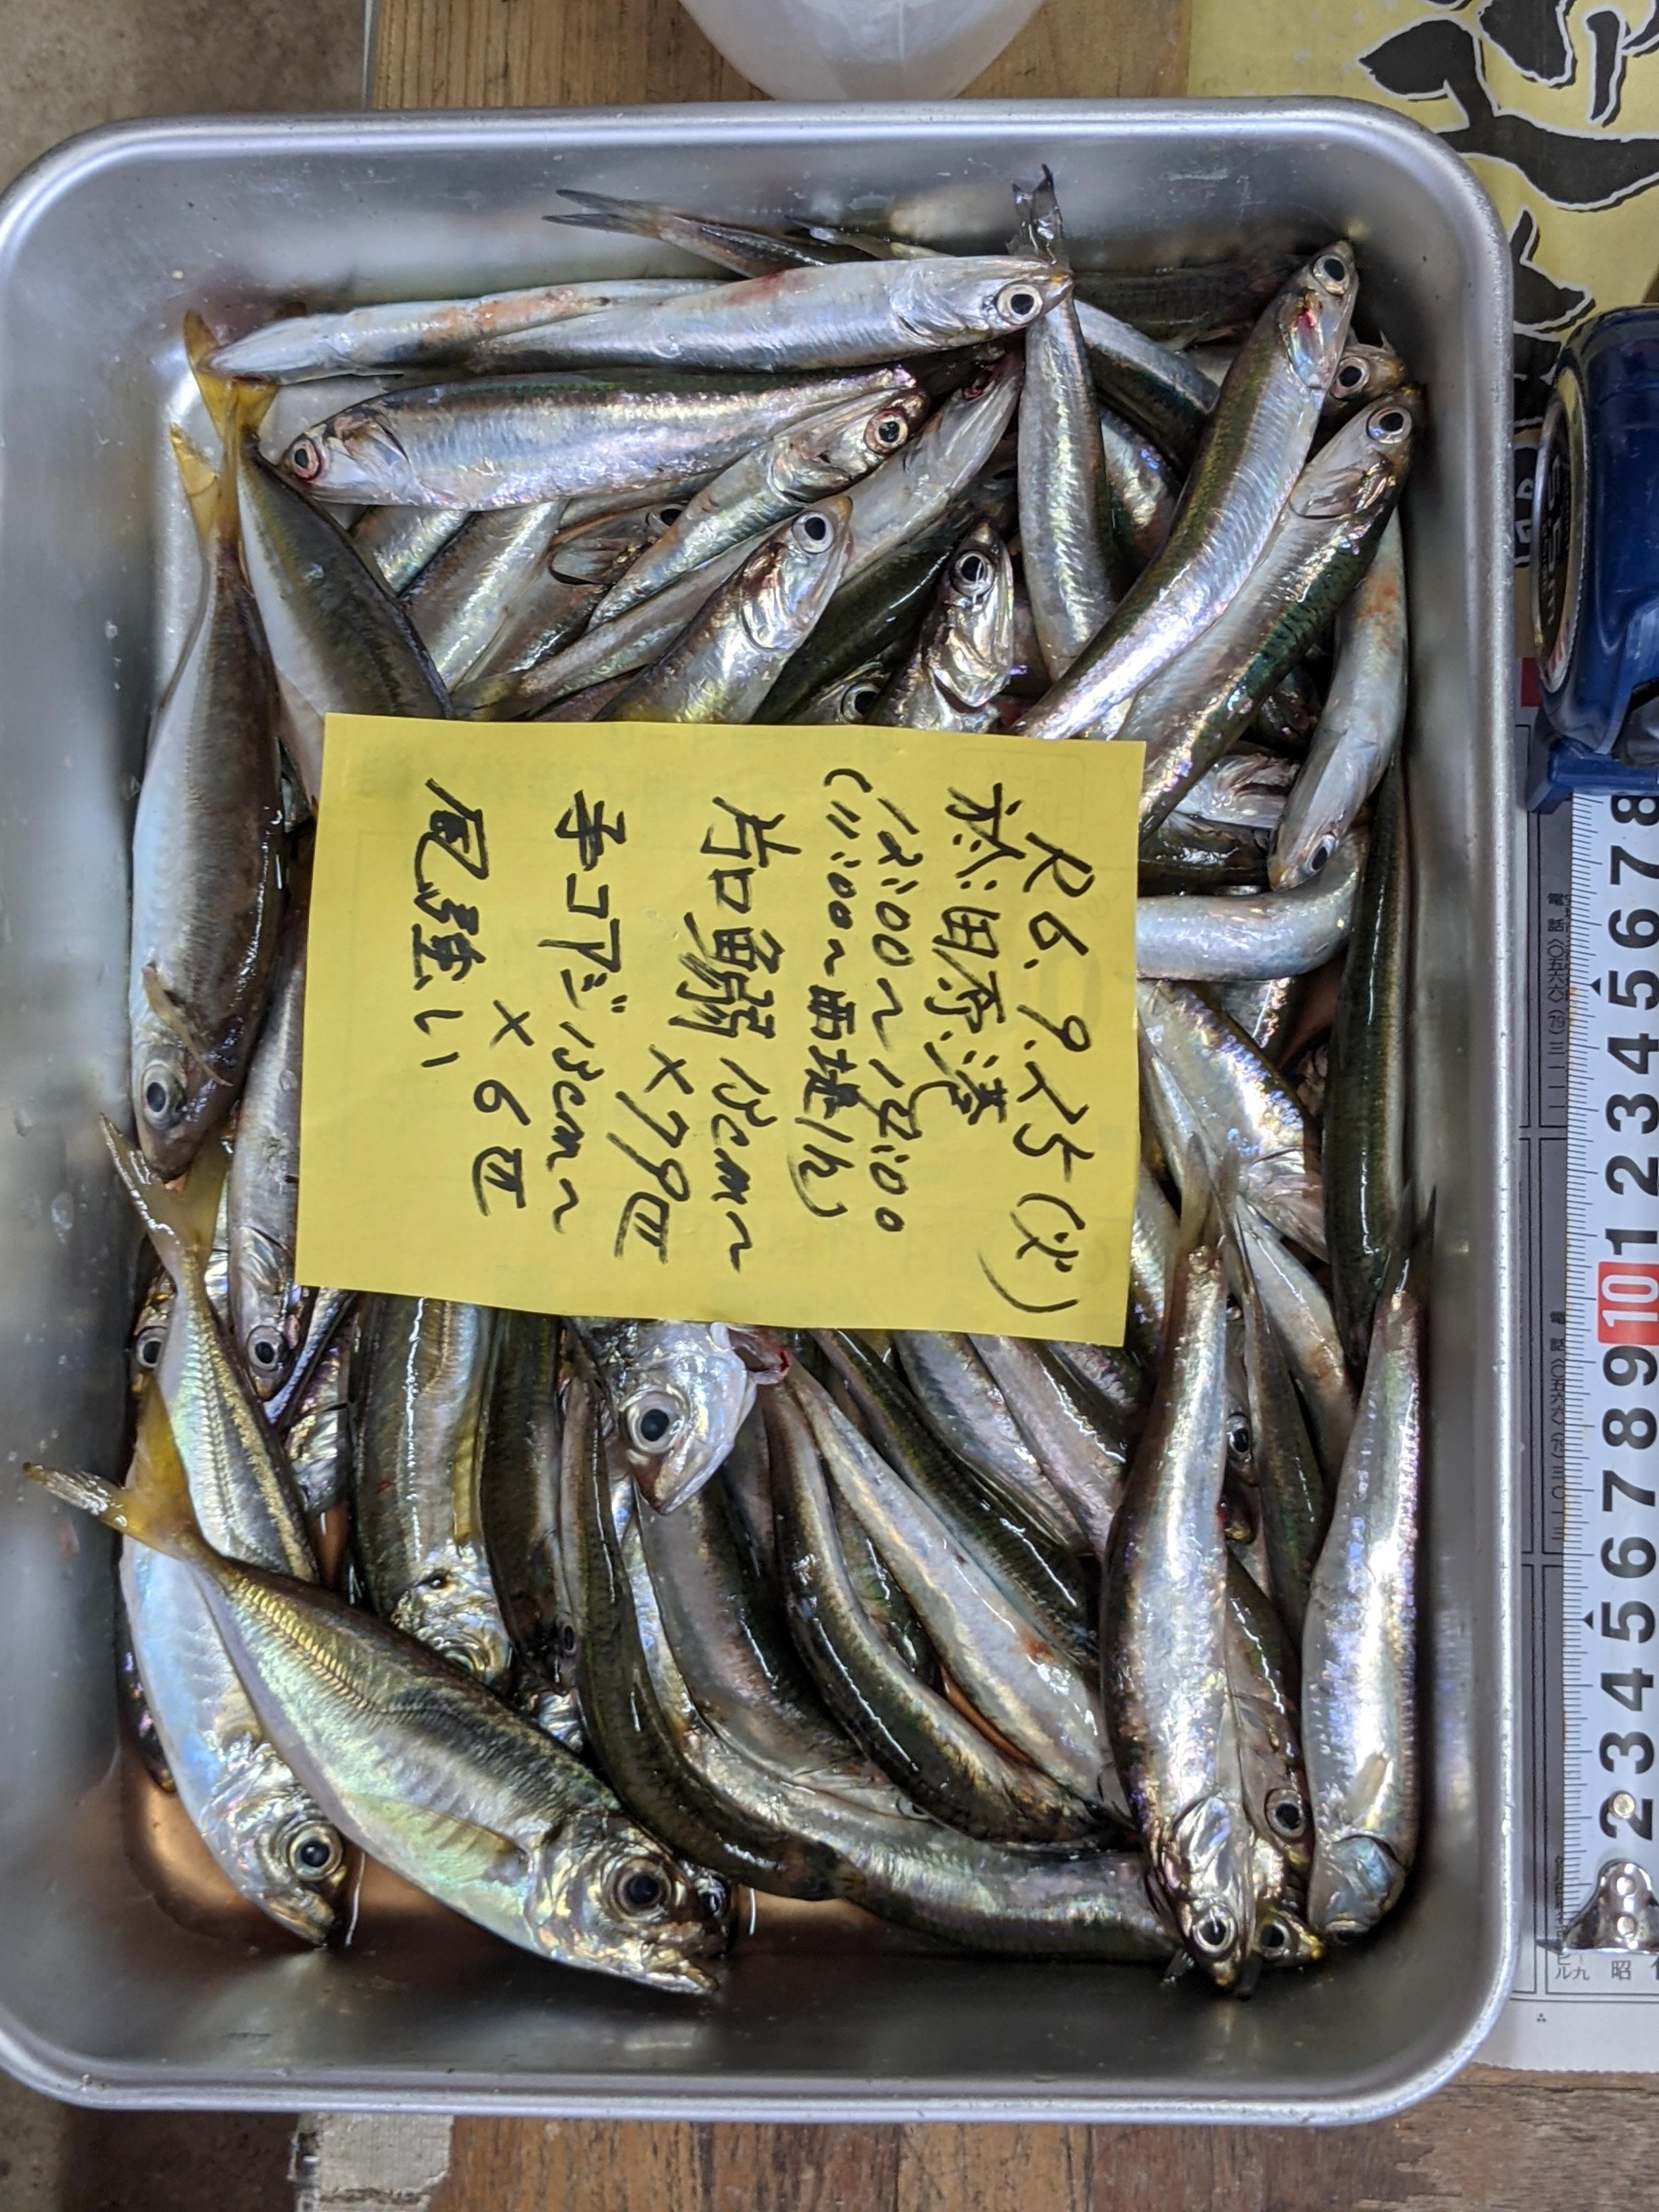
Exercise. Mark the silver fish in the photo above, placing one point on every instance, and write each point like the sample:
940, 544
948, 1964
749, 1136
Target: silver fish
1064, 500
722, 666
966, 1410
319, 1434
262, 1191
1359, 1681
1320, 546
265, 1830
206, 901
340, 641
1365, 373
679, 1393
426, 1771
409, 333
557, 603
1245, 790
1219, 939
399, 541
1252, 453
899, 500
1082, 1461
1301, 1316
1359, 729
963, 656
1242, 1106
464, 595
1145, 491
426, 1369
1026, 1688
617, 649
804, 462
515, 441
835, 317
1163, 1639
1163, 393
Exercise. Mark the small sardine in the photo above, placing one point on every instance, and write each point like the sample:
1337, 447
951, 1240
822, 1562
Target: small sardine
1252, 452
462, 597
804, 462
1164, 1623
963, 659
679, 1393
262, 1191
399, 541
1359, 731
1234, 940
722, 666
425, 1373
1359, 1649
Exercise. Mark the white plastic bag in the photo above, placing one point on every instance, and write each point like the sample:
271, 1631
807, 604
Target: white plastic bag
861, 49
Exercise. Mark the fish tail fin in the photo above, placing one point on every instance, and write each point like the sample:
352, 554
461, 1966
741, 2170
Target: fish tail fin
199, 477
236, 406
180, 1221
154, 1508
602, 211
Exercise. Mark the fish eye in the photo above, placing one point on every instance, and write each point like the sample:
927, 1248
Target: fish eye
1287, 1812
264, 1351
1390, 423
1214, 1932
653, 1422
1332, 270
147, 1348
1274, 1938
667, 516
162, 1095
1320, 856
1351, 375
813, 531
1238, 1436
438, 1579
858, 698
568, 1639
640, 1889
1019, 302
890, 430
305, 459
314, 1851
973, 571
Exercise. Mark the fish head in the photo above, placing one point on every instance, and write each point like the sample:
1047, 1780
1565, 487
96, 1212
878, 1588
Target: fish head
453, 1610
357, 456
1205, 1868
951, 301
268, 1319
176, 1100
973, 648
286, 1858
679, 1402
1284, 1939
852, 698
963, 432
786, 584
597, 552
603, 1893
831, 449
1355, 1879
1314, 311
149, 1331
1362, 468
1365, 373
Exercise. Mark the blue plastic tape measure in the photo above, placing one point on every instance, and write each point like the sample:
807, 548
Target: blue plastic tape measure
1595, 564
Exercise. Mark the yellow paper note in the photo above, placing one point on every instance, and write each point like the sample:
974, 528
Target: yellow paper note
818, 1028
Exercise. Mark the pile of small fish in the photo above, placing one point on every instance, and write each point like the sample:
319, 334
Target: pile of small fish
1045, 1649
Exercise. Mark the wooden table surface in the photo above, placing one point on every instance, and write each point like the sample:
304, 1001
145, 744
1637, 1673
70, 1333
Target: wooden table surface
1535, 2142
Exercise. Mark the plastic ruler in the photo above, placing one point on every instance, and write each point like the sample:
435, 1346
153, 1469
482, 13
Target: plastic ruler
1610, 1528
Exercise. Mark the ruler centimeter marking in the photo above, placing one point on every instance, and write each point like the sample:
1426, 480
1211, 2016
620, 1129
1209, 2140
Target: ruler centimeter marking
1610, 1659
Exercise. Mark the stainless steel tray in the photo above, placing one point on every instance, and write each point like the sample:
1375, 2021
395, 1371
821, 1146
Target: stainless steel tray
103, 1995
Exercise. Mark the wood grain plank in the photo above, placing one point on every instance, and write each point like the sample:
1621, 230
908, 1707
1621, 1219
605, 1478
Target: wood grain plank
994, 2169
809, 2169
580, 53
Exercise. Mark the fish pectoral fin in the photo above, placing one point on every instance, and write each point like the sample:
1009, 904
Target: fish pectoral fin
169, 1009
453, 1849
1364, 1802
